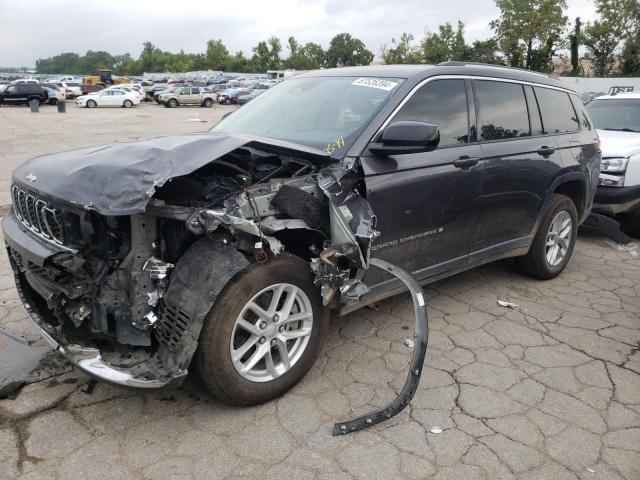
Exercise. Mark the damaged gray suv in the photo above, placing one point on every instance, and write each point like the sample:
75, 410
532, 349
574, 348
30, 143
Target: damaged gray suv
223, 253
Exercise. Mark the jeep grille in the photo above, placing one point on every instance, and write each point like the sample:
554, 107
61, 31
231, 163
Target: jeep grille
38, 215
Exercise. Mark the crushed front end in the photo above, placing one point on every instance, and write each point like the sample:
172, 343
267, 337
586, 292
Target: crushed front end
120, 284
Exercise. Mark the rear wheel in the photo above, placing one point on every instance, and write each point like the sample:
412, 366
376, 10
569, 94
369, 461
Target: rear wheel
554, 241
263, 333
91, 104
127, 104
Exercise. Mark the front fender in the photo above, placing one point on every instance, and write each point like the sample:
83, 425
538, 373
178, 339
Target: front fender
198, 278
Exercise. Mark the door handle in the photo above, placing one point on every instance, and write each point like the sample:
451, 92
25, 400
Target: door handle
545, 151
465, 161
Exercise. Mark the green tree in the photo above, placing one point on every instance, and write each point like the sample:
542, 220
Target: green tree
217, 56
92, 61
347, 51
575, 39
485, 51
304, 57
530, 29
266, 55
604, 37
630, 56
447, 44
63, 63
401, 51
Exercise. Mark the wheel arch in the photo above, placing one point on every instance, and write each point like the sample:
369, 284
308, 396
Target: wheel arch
198, 278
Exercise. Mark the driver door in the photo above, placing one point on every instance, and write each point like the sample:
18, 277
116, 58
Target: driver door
426, 204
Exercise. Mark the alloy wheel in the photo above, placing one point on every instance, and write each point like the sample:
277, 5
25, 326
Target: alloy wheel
558, 238
271, 333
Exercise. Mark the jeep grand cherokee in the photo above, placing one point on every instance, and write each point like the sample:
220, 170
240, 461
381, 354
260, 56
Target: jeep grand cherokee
223, 252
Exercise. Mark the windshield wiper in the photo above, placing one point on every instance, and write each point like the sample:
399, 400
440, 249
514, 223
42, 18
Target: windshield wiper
622, 130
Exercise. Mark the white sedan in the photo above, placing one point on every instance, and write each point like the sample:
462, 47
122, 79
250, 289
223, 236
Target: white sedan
109, 98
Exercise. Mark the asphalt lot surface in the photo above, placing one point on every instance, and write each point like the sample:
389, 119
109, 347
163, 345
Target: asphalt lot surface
549, 389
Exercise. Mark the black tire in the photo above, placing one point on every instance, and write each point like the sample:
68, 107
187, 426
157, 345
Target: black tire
52, 101
172, 103
212, 360
207, 103
535, 263
127, 104
631, 223
91, 104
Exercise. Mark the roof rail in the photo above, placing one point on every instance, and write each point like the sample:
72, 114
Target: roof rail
458, 63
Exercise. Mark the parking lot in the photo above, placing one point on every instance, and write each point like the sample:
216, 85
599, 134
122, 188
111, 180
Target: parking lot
546, 389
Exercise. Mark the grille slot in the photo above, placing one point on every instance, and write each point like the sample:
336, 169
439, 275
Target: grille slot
171, 325
38, 215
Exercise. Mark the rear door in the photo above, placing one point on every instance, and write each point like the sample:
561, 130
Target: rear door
560, 119
195, 95
520, 165
425, 203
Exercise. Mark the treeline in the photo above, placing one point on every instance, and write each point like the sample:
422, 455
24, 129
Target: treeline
344, 50
528, 34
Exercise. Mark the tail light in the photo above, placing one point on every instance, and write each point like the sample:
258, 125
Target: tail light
596, 144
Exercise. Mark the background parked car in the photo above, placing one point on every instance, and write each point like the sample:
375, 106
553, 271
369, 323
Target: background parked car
72, 89
109, 97
55, 94
242, 99
617, 120
22, 93
231, 95
187, 96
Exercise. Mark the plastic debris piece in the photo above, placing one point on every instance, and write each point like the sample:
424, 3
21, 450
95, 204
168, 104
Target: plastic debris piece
631, 247
435, 430
590, 470
409, 342
504, 303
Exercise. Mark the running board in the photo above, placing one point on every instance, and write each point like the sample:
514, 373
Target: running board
420, 336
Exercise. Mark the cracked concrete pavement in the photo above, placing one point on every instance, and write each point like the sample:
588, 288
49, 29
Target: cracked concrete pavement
547, 390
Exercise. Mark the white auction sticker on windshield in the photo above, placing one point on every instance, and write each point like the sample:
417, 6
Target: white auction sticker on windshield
379, 83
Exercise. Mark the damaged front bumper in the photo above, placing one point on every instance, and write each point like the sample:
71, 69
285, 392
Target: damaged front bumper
86, 358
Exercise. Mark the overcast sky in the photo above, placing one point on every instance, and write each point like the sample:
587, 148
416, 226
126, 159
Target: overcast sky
31, 29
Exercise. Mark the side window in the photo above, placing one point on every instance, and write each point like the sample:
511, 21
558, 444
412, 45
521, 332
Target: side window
558, 115
12, 89
195, 91
503, 110
442, 103
185, 91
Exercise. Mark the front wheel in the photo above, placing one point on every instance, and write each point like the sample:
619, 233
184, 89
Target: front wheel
207, 103
172, 103
263, 334
91, 104
127, 104
554, 241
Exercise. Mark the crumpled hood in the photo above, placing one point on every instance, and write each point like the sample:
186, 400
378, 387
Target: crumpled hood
619, 144
120, 178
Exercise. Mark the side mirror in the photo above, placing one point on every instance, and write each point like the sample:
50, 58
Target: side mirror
406, 136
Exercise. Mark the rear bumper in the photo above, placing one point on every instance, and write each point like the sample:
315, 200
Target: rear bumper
614, 200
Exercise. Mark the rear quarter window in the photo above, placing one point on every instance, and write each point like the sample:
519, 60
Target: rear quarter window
558, 114
503, 110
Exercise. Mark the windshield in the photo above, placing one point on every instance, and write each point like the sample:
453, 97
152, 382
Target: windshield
621, 114
320, 112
